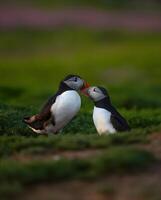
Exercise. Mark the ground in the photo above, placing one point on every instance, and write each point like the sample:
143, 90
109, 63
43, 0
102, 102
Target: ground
78, 163
142, 185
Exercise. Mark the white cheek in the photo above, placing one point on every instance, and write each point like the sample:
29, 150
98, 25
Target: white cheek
95, 96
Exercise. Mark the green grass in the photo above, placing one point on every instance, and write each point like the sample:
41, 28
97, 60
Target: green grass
11, 120
115, 160
42, 144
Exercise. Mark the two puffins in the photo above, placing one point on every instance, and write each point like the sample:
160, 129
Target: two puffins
64, 105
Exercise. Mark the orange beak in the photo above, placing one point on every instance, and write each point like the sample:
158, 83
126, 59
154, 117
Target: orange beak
84, 89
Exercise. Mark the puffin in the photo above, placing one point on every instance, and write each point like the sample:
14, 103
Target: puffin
106, 118
60, 108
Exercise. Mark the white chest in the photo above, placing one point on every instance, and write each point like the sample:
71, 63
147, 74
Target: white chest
101, 118
66, 105
64, 109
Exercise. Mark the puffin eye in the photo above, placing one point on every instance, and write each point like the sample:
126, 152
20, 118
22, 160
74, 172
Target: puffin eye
94, 89
75, 79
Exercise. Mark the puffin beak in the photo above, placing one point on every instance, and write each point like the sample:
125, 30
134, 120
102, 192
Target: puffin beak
84, 89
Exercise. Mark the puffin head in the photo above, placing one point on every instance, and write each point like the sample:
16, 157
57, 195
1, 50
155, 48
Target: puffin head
97, 93
77, 83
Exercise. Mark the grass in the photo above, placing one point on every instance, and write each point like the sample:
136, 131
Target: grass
116, 160
31, 65
11, 145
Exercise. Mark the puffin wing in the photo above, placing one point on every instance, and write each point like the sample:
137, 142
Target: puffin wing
45, 112
37, 125
118, 121
38, 121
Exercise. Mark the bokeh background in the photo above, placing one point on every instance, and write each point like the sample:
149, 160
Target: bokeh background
111, 43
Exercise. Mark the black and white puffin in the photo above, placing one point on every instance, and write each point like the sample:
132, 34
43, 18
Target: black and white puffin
61, 108
106, 118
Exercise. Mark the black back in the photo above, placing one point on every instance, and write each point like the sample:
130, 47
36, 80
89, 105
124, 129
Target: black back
117, 120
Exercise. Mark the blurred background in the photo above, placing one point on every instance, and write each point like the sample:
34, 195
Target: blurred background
112, 43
